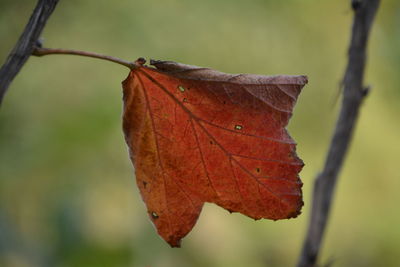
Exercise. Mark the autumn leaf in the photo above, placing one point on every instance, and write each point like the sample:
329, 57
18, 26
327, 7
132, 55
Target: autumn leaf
197, 135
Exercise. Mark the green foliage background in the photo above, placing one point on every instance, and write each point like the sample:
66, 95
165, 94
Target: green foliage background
67, 190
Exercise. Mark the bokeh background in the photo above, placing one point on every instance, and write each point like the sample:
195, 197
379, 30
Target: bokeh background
67, 190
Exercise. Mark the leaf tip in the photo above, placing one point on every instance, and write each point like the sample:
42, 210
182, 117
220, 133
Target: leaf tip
175, 245
304, 79
174, 242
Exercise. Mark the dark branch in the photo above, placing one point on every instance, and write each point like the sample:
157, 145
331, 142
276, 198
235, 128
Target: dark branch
26, 43
353, 95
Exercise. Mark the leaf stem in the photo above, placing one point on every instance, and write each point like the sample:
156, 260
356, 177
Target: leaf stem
38, 51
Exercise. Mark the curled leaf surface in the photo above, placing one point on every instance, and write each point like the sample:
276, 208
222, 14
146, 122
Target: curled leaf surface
198, 135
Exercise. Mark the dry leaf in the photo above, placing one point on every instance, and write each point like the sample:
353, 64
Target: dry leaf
197, 135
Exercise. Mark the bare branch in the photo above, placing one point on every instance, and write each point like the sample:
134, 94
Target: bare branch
51, 51
353, 95
26, 43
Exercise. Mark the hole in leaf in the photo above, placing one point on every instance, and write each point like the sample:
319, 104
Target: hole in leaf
181, 88
185, 100
154, 215
238, 127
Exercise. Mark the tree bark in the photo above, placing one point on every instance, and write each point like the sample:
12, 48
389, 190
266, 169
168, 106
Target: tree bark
26, 44
353, 95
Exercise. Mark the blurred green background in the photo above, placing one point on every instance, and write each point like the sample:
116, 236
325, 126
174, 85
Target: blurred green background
67, 190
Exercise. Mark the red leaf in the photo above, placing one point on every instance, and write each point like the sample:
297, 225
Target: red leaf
197, 135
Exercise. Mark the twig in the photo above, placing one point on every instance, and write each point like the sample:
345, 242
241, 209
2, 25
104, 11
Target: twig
353, 95
51, 51
26, 43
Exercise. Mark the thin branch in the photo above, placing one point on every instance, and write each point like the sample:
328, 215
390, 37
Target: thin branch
51, 51
26, 43
353, 95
